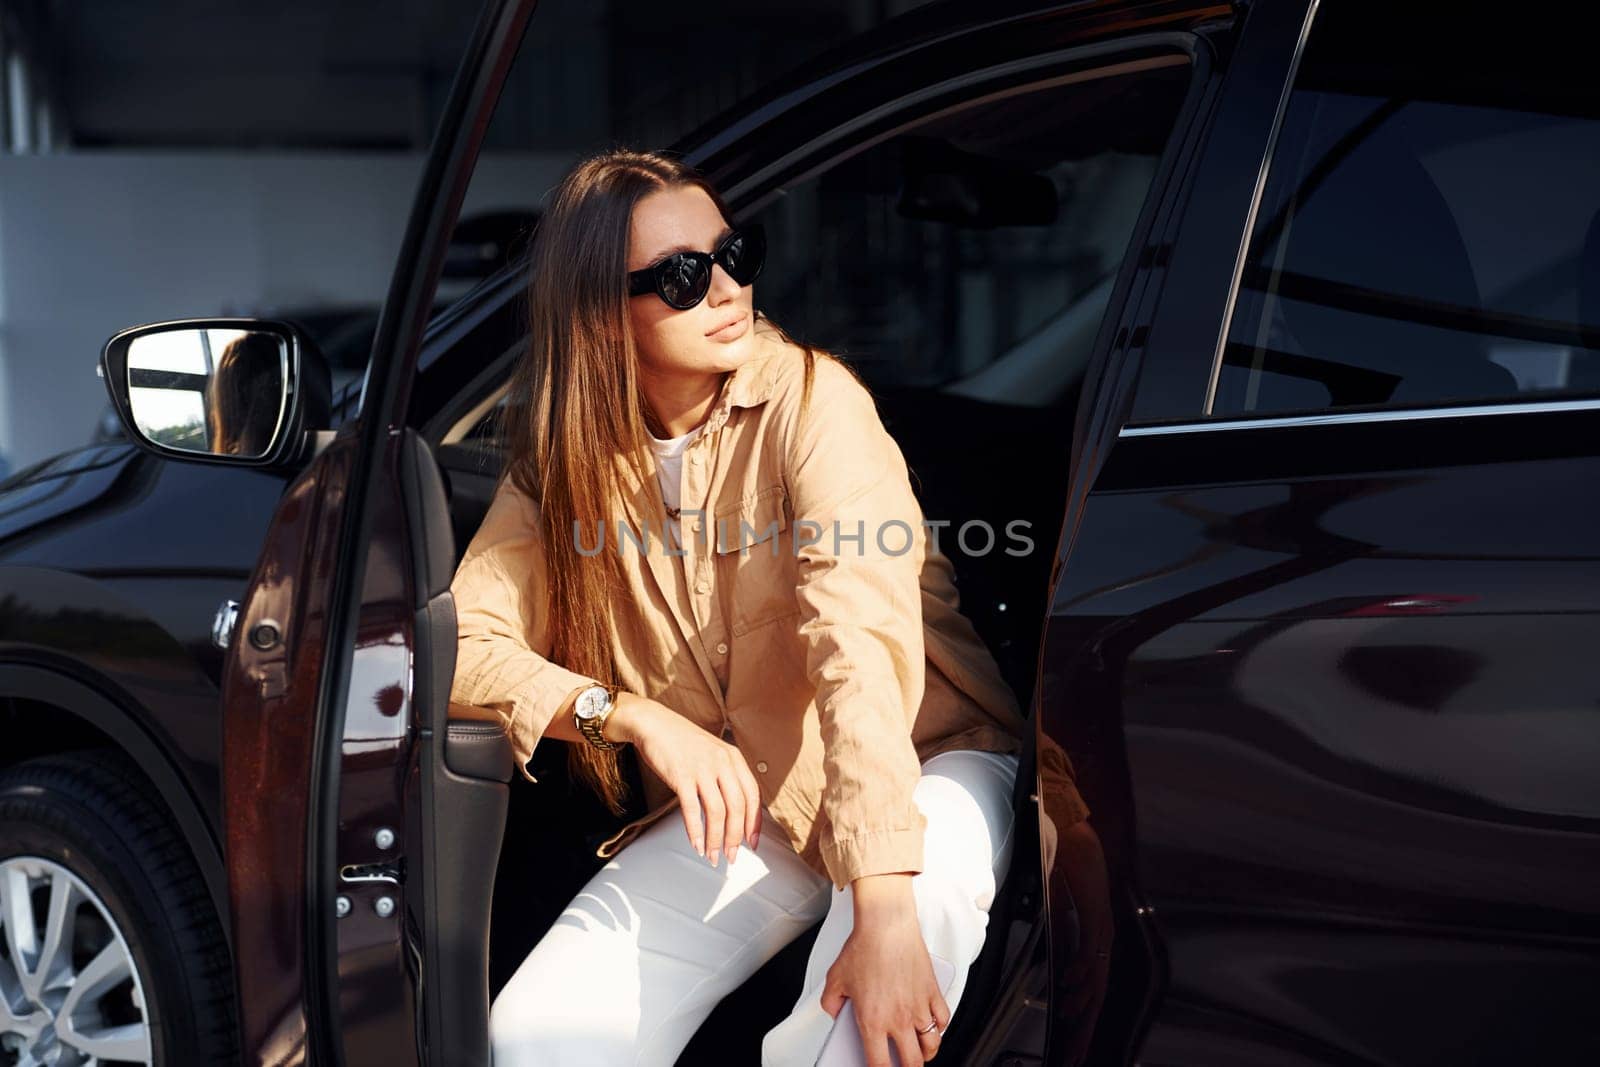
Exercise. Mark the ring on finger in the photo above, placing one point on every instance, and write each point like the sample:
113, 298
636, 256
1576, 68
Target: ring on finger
930, 1028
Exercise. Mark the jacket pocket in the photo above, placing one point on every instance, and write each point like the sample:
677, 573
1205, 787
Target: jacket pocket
755, 559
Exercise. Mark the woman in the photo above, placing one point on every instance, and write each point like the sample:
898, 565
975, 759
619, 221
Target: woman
244, 395
707, 547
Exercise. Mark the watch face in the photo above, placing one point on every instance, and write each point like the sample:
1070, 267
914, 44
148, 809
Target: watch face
591, 702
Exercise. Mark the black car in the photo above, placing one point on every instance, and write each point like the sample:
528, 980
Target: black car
1277, 324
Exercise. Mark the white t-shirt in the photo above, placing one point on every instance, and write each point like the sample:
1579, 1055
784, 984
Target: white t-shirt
669, 456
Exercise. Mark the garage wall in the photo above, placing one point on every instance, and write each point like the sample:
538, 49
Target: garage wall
93, 242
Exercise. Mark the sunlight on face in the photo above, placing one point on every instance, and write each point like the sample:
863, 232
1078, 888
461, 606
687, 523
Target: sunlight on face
675, 343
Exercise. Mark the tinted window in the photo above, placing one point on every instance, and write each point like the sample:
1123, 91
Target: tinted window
975, 252
1430, 229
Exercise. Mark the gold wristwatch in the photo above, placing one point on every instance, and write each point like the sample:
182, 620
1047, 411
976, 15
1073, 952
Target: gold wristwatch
594, 706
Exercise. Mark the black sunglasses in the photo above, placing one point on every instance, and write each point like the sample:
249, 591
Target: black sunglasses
683, 278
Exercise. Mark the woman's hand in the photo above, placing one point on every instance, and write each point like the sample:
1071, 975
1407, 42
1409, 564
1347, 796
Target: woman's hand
884, 969
710, 776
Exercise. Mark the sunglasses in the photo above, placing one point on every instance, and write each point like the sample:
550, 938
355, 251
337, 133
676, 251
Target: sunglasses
683, 278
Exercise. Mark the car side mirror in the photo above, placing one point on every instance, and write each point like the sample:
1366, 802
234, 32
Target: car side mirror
242, 391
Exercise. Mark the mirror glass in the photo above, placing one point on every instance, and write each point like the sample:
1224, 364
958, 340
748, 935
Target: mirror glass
212, 391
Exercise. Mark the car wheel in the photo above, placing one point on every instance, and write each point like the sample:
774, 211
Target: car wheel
110, 949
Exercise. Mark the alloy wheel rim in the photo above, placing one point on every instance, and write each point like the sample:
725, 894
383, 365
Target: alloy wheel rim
70, 994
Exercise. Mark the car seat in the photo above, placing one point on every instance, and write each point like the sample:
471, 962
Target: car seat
466, 768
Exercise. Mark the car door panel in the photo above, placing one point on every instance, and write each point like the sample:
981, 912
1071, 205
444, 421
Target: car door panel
1328, 696
270, 690
434, 962
328, 850
1356, 718
377, 996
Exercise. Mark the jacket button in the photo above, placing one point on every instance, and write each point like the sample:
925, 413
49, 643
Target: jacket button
702, 586
722, 648
761, 767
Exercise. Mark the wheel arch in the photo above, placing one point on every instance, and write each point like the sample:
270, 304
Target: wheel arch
97, 716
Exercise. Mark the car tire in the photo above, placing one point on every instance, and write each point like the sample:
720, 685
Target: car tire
145, 960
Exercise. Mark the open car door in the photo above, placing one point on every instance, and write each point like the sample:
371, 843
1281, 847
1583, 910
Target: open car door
335, 697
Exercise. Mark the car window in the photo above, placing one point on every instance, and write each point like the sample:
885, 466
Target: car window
1429, 233
975, 252
484, 423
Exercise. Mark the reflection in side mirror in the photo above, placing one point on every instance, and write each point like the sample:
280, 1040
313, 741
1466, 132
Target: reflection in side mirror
212, 391
253, 392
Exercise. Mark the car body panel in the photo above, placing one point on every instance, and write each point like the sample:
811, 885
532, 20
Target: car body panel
269, 734
1329, 699
1349, 667
113, 563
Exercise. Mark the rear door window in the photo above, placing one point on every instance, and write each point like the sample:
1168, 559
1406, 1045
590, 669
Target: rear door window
1429, 233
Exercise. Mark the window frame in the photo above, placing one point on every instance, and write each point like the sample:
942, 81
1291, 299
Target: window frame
750, 192
1241, 256
1207, 421
1047, 72
1043, 71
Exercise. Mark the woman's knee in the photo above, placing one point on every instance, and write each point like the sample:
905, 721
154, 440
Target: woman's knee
967, 842
525, 1035
515, 1037
574, 999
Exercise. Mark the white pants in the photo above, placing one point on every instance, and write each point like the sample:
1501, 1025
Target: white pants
658, 936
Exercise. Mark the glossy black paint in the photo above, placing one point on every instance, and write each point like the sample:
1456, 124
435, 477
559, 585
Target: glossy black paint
112, 565
1345, 690
1328, 692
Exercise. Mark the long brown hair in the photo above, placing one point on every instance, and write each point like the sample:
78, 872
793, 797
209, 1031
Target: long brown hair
576, 409
245, 394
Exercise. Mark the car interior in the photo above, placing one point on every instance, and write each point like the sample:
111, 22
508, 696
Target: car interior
1445, 314
1001, 251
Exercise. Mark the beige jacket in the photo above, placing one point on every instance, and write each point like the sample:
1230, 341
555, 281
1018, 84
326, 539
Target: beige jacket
837, 665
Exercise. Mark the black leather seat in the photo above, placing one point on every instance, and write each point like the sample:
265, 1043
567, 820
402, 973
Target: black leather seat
475, 748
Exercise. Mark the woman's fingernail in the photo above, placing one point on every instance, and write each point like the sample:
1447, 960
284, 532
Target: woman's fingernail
716, 854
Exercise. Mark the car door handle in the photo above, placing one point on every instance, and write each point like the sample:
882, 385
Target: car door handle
222, 624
